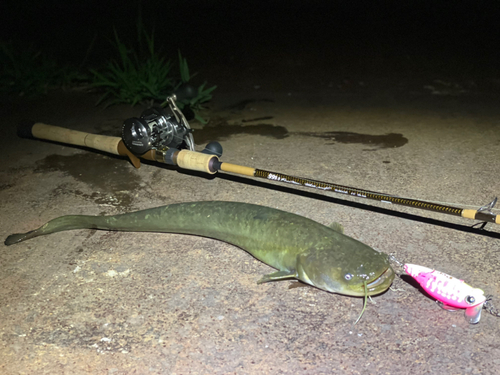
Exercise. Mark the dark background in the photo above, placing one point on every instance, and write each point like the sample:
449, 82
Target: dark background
458, 39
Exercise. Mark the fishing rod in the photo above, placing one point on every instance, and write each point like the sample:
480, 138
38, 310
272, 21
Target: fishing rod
163, 134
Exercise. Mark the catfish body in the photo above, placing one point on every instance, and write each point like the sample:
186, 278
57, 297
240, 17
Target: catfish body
296, 246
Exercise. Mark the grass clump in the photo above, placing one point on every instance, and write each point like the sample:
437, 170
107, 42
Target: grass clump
189, 97
135, 78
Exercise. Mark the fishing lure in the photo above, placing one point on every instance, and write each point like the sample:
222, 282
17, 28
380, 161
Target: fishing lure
451, 292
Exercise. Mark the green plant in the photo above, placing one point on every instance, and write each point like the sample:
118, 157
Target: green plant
194, 100
203, 95
30, 72
184, 69
134, 78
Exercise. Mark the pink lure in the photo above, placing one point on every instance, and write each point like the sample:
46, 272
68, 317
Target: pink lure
452, 292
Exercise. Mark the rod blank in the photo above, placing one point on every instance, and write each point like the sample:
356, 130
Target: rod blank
210, 164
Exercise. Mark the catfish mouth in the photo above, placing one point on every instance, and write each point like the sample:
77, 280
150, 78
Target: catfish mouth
381, 283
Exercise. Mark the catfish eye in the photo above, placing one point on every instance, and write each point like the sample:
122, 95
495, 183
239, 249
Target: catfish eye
470, 300
348, 276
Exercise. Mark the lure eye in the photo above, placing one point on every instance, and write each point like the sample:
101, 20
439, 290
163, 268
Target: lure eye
470, 300
348, 276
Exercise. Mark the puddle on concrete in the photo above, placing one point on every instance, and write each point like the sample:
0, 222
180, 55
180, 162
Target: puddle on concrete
122, 199
258, 119
222, 130
391, 140
112, 179
240, 106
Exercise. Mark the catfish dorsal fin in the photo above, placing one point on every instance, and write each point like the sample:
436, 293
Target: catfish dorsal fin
337, 227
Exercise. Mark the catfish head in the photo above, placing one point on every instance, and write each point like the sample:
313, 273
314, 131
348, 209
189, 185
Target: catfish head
346, 269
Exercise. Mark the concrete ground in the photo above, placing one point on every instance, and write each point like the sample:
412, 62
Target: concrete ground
88, 301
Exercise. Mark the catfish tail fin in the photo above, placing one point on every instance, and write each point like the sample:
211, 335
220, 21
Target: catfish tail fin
59, 224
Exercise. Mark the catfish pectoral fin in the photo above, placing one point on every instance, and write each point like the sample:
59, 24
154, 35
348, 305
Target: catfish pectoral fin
278, 275
337, 227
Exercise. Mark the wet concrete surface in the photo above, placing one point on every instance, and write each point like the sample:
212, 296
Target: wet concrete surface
110, 178
376, 141
89, 301
221, 131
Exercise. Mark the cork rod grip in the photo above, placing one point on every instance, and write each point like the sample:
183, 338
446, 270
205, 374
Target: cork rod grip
195, 161
477, 215
469, 214
74, 137
238, 169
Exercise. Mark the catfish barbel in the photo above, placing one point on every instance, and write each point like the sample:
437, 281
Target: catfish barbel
299, 248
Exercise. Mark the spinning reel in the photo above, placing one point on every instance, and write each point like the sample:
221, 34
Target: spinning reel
158, 129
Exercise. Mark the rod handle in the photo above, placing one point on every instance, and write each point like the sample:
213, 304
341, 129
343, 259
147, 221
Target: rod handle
73, 137
196, 161
112, 145
238, 169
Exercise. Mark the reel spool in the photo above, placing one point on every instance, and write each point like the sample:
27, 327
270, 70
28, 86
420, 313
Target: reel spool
159, 129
